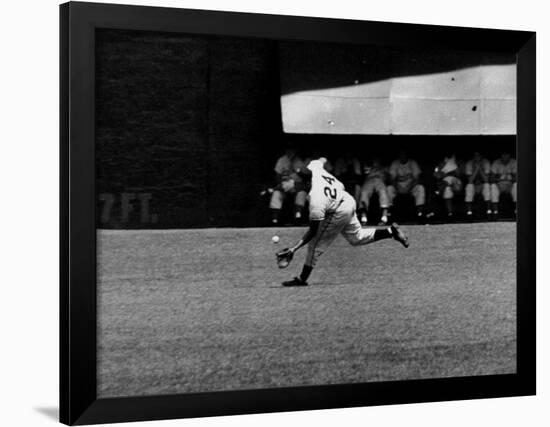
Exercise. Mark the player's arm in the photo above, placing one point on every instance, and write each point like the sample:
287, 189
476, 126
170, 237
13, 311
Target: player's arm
285, 256
306, 238
454, 173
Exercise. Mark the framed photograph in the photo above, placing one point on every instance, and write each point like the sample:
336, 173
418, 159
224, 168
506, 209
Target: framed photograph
267, 213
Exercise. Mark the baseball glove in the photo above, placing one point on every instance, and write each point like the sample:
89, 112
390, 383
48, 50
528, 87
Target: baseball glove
284, 257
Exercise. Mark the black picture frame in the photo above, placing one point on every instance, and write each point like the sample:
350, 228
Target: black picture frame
79, 403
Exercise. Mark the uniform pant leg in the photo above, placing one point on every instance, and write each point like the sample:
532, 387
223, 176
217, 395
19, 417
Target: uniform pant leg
382, 192
277, 199
300, 199
329, 229
355, 234
486, 191
448, 192
390, 190
454, 185
469, 193
514, 192
366, 193
419, 194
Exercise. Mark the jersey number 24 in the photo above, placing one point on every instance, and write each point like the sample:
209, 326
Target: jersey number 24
329, 191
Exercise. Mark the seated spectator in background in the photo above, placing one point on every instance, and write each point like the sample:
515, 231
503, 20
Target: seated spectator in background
478, 172
404, 179
448, 181
375, 182
288, 169
347, 169
503, 177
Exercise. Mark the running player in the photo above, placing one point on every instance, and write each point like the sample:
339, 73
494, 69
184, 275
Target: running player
331, 212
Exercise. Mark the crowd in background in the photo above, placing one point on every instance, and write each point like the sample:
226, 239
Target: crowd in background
450, 183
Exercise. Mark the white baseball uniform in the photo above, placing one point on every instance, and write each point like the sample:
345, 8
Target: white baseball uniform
504, 175
478, 186
335, 208
404, 175
454, 184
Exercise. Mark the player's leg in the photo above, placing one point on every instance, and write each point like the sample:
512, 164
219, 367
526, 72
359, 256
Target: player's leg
495, 197
486, 193
329, 229
383, 199
358, 236
448, 194
469, 193
391, 192
276, 204
366, 194
419, 194
299, 204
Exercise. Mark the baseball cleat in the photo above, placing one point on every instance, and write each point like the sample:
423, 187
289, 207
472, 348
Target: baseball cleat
363, 219
398, 235
295, 282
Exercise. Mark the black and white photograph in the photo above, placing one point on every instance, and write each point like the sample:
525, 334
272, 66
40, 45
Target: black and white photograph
276, 213
283, 213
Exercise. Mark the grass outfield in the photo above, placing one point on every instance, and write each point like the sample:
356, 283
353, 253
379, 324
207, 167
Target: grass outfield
202, 310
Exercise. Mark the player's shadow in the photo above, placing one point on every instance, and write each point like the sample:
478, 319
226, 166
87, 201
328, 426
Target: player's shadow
314, 285
49, 412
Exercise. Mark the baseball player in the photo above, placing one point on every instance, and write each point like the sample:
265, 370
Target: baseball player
448, 182
404, 177
503, 174
478, 172
331, 212
375, 177
315, 155
289, 171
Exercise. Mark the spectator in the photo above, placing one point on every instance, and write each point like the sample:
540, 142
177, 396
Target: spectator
404, 179
503, 177
478, 172
375, 182
448, 181
288, 169
347, 169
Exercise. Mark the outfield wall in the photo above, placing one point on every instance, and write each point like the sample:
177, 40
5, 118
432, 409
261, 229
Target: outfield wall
335, 89
189, 128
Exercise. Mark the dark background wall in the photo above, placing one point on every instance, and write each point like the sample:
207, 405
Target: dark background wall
192, 123
188, 130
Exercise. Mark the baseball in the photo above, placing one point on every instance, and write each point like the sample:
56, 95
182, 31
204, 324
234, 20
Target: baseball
275, 239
